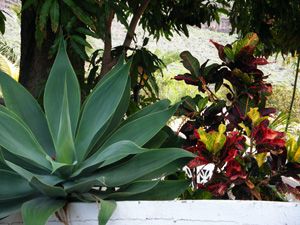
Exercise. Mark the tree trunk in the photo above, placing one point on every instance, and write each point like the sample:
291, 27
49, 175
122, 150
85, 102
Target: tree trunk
35, 63
107, 63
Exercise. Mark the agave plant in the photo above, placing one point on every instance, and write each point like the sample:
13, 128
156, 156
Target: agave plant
71, 152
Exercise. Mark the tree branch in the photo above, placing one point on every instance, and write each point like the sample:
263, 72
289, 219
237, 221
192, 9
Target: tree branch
134, 22
108, 62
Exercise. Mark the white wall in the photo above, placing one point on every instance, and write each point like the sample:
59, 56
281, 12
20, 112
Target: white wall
202, 212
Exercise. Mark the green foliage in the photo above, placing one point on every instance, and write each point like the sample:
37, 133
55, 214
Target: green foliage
276, 22
278, 100
8, 51
247, 154
73, 152
163, 18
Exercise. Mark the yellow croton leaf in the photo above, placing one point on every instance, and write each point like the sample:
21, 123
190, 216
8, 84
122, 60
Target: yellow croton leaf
214, 140
246, 129
255, 116
261, 158
293, 150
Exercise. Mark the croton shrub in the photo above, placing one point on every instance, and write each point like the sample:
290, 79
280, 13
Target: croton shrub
229, 126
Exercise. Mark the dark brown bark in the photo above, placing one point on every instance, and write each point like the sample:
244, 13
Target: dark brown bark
107, 58
35, 63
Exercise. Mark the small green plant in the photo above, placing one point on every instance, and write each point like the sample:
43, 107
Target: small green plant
72, 152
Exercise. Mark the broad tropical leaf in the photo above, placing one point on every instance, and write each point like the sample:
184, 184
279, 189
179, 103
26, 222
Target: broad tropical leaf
39, 210
25, 145
142, 129
106, 210
23, 104
21, 187
141, 165
61, 74
99, 108
190, 63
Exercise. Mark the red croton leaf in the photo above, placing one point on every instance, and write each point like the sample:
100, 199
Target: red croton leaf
259, 61
235, 140
234, 170
200, 159
196, 134
267, 139
187, 79
220, 49
218, 189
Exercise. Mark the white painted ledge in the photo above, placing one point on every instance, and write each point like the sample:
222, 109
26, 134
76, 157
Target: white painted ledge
201, 212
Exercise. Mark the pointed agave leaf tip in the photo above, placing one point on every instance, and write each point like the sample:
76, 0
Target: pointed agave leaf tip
61, 73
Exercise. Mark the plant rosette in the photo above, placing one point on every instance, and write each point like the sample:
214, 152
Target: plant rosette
72, 152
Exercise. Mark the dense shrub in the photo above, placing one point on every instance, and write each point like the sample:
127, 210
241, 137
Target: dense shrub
231, 130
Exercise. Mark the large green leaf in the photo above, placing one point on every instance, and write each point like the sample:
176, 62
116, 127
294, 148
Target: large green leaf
13, 186
106, 210
99, 108
9, 207
81, 186
140, 165
190, 63
111, 154
46, 179
65, 149
23, 104
169, 169
61, 74
156, 107
26, 163
164, 190
114, 122
157, 140
80, 14
133, 189
141, 130
39, 210
25, 145
46, 189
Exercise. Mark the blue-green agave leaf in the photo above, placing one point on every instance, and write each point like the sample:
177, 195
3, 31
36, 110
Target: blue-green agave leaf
106, 210
9, 207
61, 74
153, 108
114, 121
25, 106
13, 186
39, 210
111, 154
25, 145
164, 190
99, 108
65, 148
138, 166
133, 189
141, 130
46, 189
46, 179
